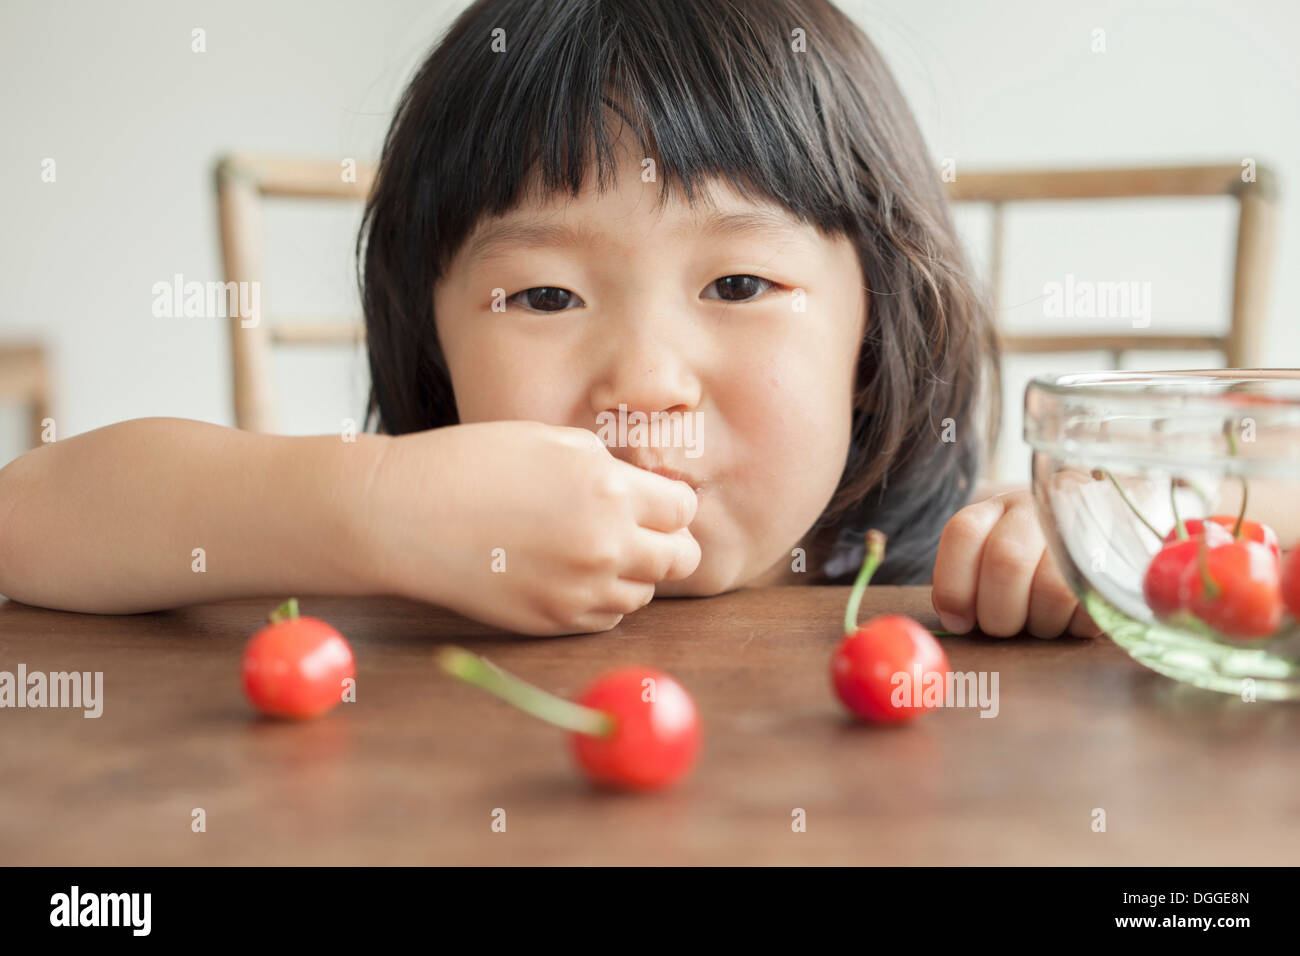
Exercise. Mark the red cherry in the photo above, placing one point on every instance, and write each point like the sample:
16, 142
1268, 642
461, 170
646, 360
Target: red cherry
1235, 589
1195, 526
1163, 581
1250, 531
1232, 586
866, 667
296, 666
884, 670
1262, 534
635, 727
656, 736
1291, 581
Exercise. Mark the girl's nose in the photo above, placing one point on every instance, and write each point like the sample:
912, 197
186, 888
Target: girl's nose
645, 374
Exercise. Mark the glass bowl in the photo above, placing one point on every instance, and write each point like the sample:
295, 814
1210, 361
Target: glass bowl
1122, 460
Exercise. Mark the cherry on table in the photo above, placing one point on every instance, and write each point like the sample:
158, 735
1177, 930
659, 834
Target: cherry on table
634, 728
295, 666
865, 665
656, 736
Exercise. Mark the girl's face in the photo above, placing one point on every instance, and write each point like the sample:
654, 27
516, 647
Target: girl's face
735, 322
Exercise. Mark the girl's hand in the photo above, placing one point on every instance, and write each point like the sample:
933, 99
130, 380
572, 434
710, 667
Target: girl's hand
534, 528
993, 571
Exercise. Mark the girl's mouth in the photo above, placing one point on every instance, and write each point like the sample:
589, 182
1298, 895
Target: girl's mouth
675, 475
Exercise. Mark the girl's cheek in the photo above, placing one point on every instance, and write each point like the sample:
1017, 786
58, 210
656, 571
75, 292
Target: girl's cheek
502, 389
787, 406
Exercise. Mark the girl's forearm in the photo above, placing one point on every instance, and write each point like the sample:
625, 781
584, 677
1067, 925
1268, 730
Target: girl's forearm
161, 512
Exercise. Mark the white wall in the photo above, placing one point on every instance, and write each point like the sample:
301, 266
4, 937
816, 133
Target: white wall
1016, 84
134, 120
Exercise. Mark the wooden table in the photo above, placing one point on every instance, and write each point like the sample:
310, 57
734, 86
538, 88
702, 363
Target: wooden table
412, 772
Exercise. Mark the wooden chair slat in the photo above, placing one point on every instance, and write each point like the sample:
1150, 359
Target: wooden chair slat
317, 333
1112, 343
1243, 341
1131, 183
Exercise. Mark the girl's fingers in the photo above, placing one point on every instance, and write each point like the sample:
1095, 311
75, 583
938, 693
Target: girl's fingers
624, 597
662, 504
1051, 602
1006, 572
656, 556
1082, 624
593, 623
957, 564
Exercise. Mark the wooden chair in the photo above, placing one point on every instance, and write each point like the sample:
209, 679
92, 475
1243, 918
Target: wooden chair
25, 378
1241, 342
243, 182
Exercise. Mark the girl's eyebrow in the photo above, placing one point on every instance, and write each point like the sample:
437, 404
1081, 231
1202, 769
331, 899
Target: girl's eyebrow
500, 236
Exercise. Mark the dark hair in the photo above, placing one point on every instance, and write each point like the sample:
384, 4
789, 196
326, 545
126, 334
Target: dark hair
712, 90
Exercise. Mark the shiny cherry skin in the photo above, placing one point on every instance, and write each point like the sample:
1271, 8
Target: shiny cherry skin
864, 665
1250, 531
1291, 581
656, 737
1248, 602
296, 668
1163, 581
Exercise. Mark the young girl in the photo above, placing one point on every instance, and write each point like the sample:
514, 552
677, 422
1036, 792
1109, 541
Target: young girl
715, 215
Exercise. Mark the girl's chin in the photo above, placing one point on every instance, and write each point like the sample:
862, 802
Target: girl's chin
689, 588
707, 580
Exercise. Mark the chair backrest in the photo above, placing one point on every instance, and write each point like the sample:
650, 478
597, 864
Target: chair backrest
1254, 188
243, 182
1241, 342
25, 377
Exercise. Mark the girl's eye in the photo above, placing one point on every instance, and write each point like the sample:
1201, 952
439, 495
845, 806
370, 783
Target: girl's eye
738, 288
546, 298
734, 288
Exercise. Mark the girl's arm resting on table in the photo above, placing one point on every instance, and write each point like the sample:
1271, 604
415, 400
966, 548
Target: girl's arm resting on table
110, 521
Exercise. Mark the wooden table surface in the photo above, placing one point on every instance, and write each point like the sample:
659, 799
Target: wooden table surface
412, 771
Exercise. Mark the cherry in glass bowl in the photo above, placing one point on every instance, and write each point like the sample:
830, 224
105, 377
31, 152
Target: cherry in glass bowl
1171, 503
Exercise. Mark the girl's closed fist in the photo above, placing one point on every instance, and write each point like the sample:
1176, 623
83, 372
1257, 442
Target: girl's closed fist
993, 571
535, 528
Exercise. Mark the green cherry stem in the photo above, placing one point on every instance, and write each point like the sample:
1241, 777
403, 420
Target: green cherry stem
1241, 514
1101, 472
1211, 586
875, 554
1181, 529
285, 612
485, 675
1230, 433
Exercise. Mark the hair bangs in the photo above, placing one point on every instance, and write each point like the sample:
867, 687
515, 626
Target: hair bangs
551, 111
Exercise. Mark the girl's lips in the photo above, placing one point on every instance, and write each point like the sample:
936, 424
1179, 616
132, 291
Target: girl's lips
675, 475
